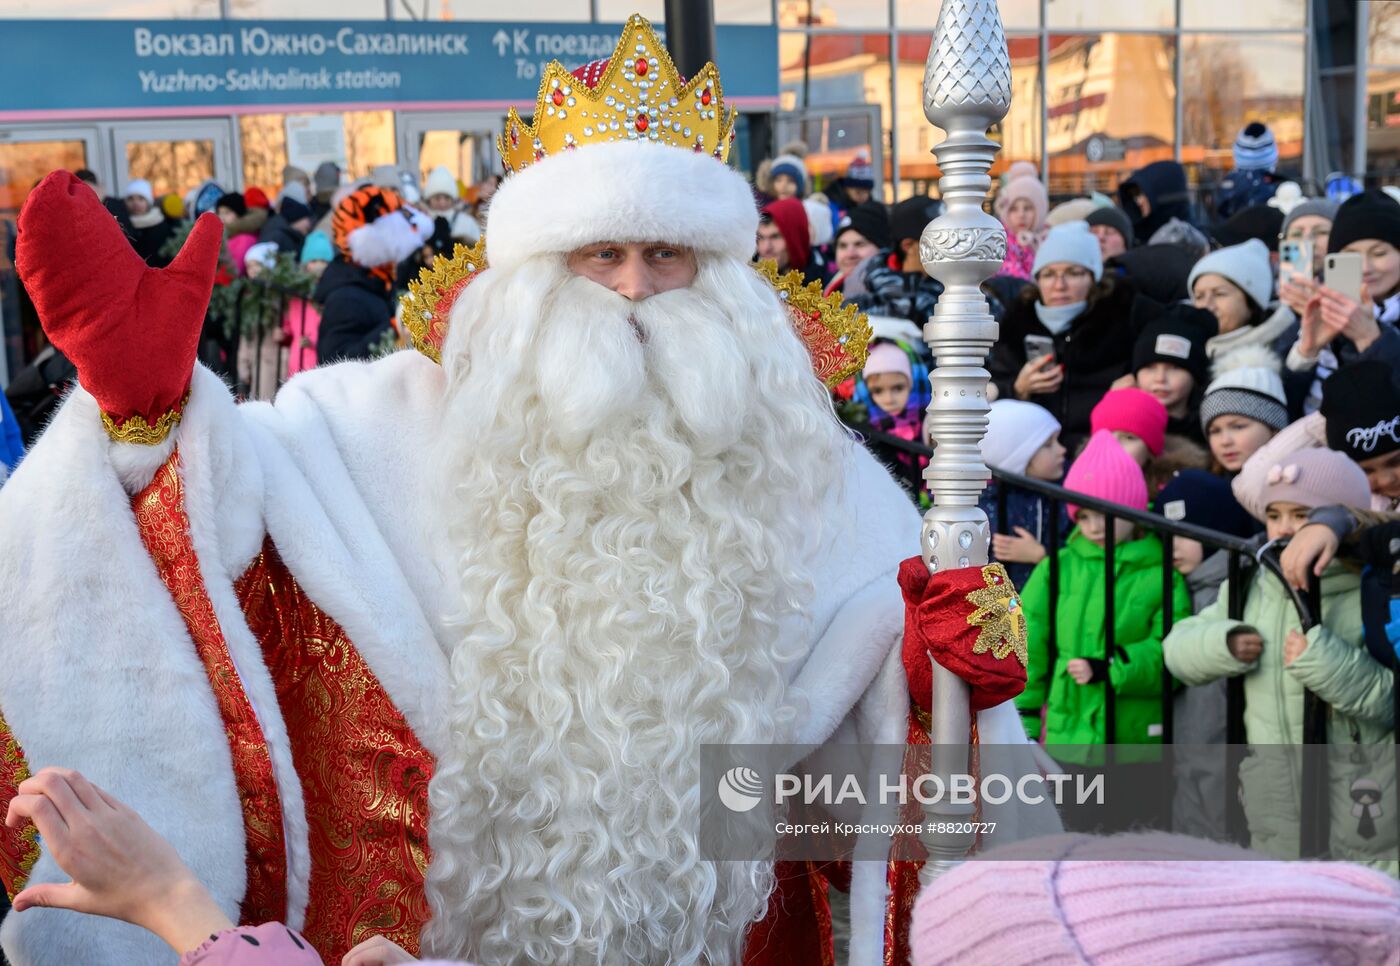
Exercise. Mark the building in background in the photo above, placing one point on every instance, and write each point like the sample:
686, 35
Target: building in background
1099, 87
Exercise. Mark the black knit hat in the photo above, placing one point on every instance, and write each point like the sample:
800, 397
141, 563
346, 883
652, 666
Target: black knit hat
1361, 404
234, 202
871, 220
1371, 214
911, 216
1256, 221
1178, 337
1113, 217
293, 210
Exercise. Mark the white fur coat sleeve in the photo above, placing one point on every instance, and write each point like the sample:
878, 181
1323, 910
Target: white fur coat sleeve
852, 682
100, 673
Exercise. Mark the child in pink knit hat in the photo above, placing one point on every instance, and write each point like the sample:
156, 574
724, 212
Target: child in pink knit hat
1129, 900
1136, 418
1279, 662
1073, 690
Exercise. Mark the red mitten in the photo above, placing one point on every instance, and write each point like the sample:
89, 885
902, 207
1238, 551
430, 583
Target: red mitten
972, 622
131, 331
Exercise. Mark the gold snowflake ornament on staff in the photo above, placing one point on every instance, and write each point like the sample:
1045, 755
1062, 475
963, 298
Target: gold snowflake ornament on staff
999, 614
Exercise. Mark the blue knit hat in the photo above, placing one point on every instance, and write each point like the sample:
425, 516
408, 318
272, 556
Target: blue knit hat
1255, 149
792, 166
317, 248
1204, 499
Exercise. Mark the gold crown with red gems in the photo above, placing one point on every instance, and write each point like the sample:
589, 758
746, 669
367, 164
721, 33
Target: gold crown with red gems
636, 95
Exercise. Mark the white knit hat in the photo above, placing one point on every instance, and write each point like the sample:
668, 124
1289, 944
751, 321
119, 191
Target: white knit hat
1246, 265
1246, 382
819, 219
140, 188
1015, 431
1071, 242
440, 182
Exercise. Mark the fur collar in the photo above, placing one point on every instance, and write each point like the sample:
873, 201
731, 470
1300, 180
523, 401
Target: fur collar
1265, 333
150, 219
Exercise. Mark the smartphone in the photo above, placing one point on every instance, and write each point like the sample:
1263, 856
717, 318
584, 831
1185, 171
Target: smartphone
1343, 274
1295, 258
1039, 345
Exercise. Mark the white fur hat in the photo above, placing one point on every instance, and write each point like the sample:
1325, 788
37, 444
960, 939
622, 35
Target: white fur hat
1245, 265
624, 191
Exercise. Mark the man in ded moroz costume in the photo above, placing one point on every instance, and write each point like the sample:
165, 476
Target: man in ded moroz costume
428, 647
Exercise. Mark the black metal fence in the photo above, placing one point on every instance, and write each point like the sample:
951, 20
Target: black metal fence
1243, 557
256, 361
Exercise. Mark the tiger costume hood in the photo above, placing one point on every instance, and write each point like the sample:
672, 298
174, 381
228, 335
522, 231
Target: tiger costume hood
373, 228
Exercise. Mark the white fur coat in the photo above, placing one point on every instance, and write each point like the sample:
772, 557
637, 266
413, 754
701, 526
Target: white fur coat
100, 673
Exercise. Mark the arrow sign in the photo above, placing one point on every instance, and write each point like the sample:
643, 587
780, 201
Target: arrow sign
501, 42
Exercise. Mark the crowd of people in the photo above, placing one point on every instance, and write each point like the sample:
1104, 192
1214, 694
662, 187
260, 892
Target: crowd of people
1158, 363
1144, 360
316, 299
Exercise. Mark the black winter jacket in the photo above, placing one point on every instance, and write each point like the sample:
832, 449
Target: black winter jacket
1095, 350
356, 310
149, 241
280, 232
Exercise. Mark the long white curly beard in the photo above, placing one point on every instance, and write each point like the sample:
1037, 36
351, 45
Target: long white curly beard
632, 517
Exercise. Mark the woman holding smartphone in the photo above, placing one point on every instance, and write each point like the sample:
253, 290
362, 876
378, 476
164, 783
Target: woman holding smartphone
1070, 333
1351, 316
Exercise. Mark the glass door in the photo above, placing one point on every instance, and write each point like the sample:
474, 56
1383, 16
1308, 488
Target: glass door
175, 156
836, 136
464, 142
27, 154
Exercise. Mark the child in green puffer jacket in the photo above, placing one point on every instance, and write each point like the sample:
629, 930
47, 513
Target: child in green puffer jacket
1279, 662
1072, 692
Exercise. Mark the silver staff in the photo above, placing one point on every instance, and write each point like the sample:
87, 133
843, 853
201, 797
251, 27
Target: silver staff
967, 90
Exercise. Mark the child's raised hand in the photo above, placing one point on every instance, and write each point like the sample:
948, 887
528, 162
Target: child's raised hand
376, 951
1245, 645
1309, 552
1022, 548
1293, 647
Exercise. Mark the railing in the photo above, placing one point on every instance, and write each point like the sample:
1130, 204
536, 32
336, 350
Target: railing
266, 373
1242, 554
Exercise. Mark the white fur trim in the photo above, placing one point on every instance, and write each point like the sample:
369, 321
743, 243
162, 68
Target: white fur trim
223, 486
101, 676
343, 455
388, 239
623, 192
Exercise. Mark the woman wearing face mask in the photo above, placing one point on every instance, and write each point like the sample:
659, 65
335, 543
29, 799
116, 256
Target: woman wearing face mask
1243, 407
1333, 330
1091, 322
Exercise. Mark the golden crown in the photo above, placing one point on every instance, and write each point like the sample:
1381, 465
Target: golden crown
425, 309
837, 334
636, 95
